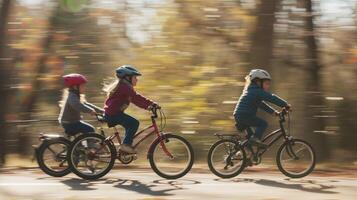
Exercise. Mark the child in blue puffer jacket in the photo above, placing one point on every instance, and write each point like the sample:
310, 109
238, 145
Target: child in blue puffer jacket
254, 96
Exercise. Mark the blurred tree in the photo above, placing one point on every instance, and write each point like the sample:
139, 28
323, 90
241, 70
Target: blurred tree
261, 49
29, 103
30, 100
315, 99
5, 68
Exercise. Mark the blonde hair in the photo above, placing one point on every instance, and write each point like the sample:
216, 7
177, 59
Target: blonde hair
111, 87
65, 93
247, 82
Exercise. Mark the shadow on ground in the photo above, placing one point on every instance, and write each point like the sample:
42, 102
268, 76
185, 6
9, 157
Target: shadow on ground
155, 188
302, 185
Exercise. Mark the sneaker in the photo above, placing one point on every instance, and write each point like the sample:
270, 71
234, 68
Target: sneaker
127, 149
257, 142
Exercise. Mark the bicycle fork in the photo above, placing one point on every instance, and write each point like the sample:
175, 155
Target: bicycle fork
162, 138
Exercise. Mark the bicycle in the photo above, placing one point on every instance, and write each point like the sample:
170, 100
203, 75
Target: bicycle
228, 156
51, 154
92, 156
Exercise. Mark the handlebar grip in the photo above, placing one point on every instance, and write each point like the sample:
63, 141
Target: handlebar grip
154, 112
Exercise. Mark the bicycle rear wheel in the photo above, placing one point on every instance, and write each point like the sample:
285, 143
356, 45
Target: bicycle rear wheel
171, 167
51, 157
226, 158
91, 156
296, 158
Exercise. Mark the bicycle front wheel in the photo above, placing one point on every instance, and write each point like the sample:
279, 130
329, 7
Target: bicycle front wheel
296, 158
91, 156
226, 158
171, 157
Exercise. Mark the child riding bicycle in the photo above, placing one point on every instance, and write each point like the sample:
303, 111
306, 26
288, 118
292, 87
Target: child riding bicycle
73, 103
255, 95
119, 95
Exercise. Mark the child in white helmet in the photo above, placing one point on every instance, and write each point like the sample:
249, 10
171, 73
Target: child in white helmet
255, 95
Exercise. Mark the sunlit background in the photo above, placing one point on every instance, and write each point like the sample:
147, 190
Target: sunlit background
193, 54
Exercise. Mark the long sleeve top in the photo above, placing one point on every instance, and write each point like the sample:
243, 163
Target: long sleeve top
72, 108
255, 97
122, 97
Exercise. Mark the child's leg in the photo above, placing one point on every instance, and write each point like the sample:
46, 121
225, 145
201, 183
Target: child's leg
78, 127
85, 127
260, 124
130, 124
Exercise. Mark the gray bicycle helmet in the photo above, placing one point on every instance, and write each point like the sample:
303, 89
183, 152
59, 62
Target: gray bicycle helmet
127, 70
259, 73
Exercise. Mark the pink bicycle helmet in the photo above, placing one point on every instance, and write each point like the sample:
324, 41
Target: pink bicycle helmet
74, 79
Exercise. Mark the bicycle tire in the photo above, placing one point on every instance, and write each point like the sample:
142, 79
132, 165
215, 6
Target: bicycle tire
41, 163
210, 164
113, 153
285, 172
156, 169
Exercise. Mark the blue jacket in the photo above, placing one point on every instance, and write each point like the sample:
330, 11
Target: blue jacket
255, 97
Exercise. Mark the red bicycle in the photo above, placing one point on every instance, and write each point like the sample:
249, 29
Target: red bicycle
92, 156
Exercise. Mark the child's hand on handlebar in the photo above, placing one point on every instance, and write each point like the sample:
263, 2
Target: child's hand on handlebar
288, 108
154, 105
276, 113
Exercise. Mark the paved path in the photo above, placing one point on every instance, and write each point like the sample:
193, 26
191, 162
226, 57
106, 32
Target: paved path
144, 184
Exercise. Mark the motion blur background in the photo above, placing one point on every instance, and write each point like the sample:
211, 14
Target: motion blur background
193, 54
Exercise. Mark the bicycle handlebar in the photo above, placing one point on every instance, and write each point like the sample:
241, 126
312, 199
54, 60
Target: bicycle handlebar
283, 113
154, 111
100, 117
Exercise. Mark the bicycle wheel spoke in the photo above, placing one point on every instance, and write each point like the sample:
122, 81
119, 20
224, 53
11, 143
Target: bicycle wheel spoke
173, 159
52, 157
296, 159
223, 161
91, 157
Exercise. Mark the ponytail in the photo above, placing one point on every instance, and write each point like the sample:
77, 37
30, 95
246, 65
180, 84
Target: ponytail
111, 88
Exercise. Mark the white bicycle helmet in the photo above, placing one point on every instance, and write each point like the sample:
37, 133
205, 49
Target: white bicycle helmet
259, 73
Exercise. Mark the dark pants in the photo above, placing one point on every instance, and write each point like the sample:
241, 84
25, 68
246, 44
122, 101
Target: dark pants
130, 124
245, 122
77, 127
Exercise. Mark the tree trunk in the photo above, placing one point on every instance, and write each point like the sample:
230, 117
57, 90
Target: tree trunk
315, 100
261, 50
28, 105
5, 66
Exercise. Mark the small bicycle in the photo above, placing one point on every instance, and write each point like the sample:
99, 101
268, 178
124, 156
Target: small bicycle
92, 156
228, 157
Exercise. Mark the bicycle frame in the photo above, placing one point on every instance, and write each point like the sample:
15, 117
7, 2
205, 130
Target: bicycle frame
155, 130
279, 133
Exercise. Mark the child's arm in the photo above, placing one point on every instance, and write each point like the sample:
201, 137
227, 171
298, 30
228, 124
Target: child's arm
139, 100
96, 108
267, 108
75, 103
272, 98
